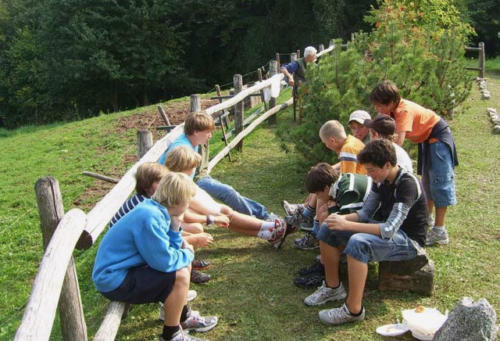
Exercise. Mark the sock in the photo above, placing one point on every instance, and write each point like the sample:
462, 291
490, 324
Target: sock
168, 331
186, 311
439, 228
266, 231
338, 286
309, 211
357, 313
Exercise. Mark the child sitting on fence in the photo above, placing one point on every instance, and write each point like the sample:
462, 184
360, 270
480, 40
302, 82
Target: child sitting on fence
390, 226
184, 159
334, 137
198, 129
143, 258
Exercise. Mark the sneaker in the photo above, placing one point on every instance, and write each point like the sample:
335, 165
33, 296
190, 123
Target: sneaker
289, 229
437, 236
306, 223
199, 277
313, 280
339, 315
198, 323
324, 294
200, 264
291, 209
316, 267
308, 242
271, 217
181, 335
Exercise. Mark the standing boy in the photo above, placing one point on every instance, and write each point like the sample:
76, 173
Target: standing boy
437, 155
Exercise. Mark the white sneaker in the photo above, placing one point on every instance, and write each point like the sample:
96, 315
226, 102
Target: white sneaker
324, 294
340, 315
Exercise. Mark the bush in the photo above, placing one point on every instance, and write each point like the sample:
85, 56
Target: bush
419, 47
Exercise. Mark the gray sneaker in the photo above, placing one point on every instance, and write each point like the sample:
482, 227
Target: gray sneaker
198, 323
340, 315
291, 209
181, 335
308, 242
324, 294
437, 236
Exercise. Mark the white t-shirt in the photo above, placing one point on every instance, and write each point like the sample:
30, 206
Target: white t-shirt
403, 158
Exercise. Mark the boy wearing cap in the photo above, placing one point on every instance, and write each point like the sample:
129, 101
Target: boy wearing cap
437, 155
356, 120
384, 127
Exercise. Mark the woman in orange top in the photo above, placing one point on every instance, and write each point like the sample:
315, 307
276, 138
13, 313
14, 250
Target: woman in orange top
437, 154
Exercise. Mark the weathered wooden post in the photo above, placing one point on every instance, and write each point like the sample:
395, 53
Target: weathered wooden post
293, 57
222, 120
194, 103
277, 58
144, 142
321, 47
298, 53
273, 70
331, 43
51, 210
481, 59
164, 115
238, 109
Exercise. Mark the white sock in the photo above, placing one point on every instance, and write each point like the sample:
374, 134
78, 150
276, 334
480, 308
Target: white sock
266, 230
439, 228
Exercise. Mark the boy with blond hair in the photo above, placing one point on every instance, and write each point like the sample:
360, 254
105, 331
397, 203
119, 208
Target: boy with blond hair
143, 258
198, 128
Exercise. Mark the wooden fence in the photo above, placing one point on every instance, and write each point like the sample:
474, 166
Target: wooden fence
56, 283
481, 57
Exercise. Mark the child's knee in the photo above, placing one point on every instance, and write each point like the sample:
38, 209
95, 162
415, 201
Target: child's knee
183, 277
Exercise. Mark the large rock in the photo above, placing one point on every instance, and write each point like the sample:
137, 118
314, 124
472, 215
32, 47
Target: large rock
469, 321
416, 275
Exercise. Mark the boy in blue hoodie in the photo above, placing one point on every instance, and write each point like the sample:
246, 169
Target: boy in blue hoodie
143, 258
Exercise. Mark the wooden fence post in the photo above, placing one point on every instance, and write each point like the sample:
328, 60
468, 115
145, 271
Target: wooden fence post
298, 53
223, 120
273, 70
51, 210
238, 109
194, 103
332, 43
481, 59
164, 115
262, 97
321, 47
144, 142
293, 57
277, 57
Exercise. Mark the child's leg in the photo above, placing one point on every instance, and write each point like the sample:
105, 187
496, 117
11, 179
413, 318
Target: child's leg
330, 257
177, 298
357, 272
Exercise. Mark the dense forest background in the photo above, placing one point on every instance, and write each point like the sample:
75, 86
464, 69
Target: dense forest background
70, 59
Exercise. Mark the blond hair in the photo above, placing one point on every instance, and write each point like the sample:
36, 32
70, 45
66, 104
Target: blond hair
182, 158
198, 121
175, 189
147, 174
332, 128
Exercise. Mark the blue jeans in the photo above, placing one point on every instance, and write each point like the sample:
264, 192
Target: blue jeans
229, 196
367, 247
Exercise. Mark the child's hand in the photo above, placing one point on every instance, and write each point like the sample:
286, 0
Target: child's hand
204, 239
336, 222
221, 220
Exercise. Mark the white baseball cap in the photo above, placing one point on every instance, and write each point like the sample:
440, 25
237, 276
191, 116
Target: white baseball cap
359, 116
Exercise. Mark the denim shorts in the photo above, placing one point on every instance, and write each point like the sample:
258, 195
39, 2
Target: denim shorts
143, 285
438, 180
367, 247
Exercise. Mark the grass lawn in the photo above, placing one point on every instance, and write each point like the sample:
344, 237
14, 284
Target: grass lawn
252, 290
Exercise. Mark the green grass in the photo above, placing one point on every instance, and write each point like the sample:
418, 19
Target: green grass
251, 290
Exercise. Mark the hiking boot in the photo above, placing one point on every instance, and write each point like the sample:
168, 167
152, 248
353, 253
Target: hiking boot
324, 294
291, 209
340, 315
313, 280
199, 277
437, 236
200, 264
316, 267
198, 323
308, 242
181, 335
